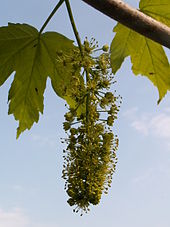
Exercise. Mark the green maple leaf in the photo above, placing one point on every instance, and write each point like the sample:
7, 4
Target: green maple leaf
33, 58
148, 57
158, 9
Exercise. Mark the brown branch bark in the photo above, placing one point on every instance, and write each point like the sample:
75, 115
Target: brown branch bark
134, 19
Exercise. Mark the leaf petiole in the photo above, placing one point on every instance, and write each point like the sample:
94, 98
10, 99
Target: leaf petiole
51, 15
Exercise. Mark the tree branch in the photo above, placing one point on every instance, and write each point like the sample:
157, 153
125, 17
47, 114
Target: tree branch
134, 19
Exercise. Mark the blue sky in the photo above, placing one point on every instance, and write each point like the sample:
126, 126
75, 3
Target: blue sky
32, 191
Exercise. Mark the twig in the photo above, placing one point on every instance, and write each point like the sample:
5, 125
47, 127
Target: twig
133, 19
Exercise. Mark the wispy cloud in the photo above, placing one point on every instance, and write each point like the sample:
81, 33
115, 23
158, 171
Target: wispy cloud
157, 125
140, 126
44, 140
151, 175
17, 188
131, 113
16, 218
13, 218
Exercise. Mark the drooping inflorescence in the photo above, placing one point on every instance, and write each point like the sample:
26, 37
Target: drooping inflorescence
90, 156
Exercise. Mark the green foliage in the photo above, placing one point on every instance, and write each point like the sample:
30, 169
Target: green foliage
83, 80
33, 57
148, 57
158, 9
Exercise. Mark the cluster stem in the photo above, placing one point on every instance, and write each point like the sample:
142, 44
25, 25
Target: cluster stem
74, 26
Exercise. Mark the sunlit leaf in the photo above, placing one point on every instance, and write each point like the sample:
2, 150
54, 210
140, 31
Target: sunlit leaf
33, 57
158, 9
148, 58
